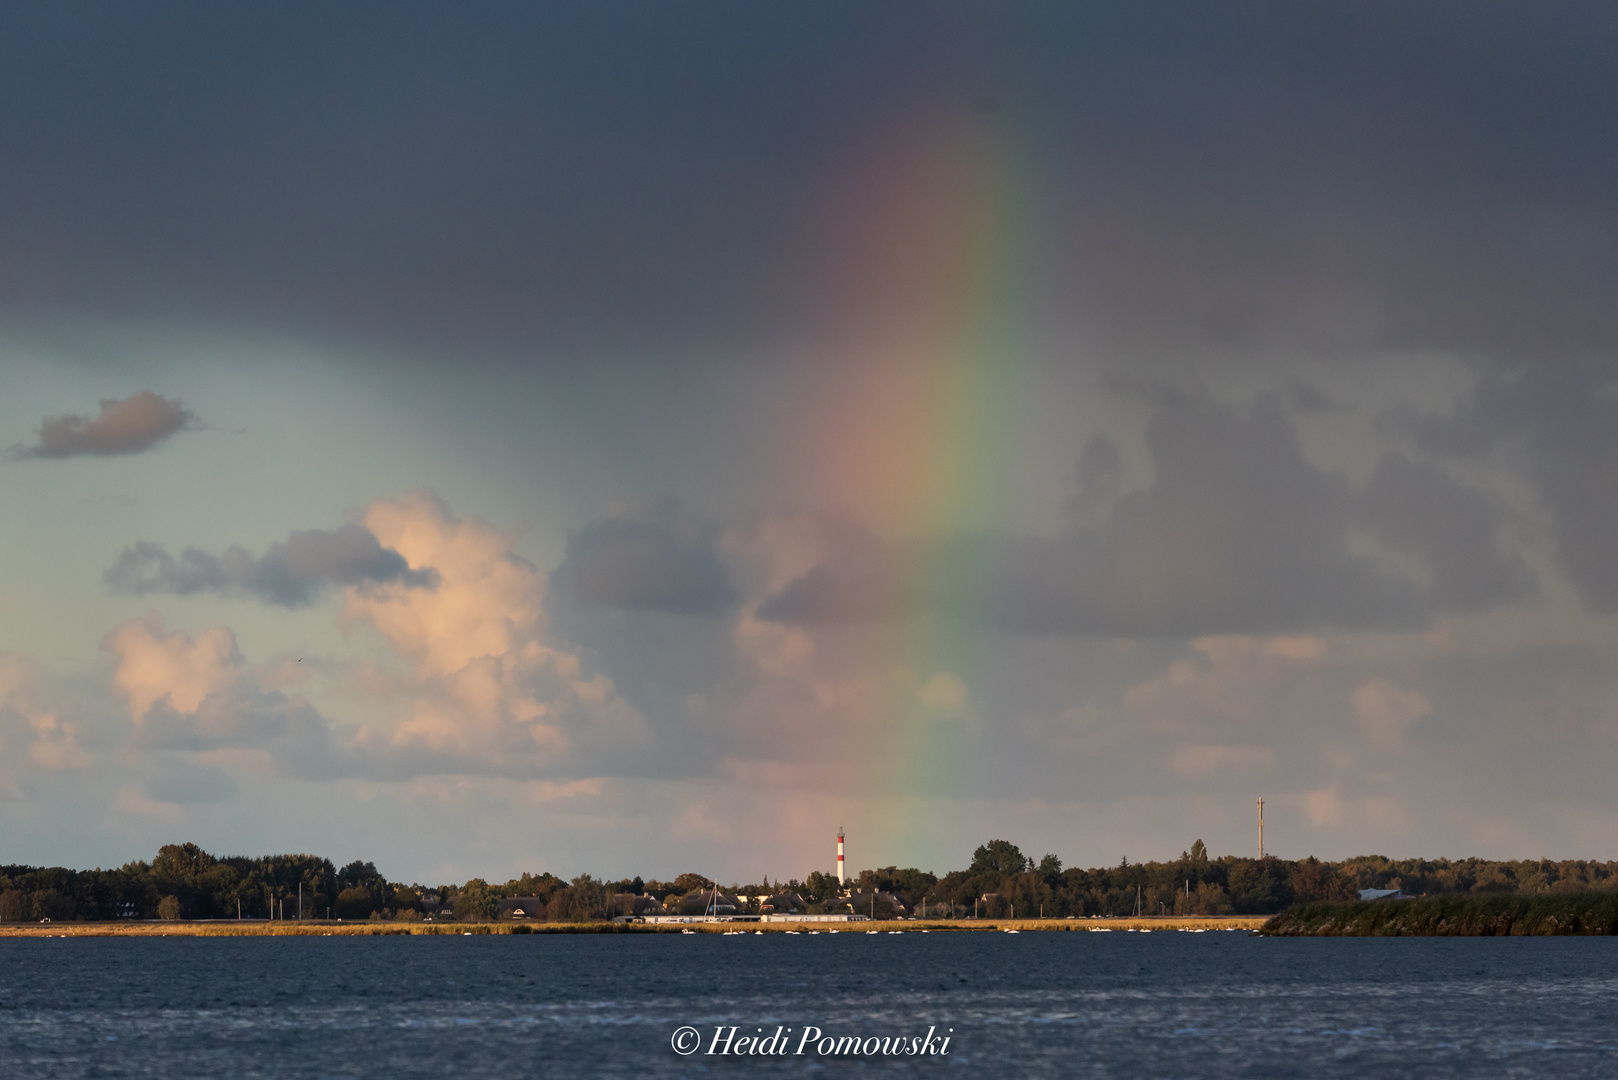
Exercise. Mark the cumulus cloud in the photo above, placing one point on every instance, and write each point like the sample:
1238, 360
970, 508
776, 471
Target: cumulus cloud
33, 736
482, 691
292, 573
652, 559
126, 426
486, 691
197, 693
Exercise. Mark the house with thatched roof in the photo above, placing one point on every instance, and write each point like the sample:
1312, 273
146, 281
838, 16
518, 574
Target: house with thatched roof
786, 903
520, 907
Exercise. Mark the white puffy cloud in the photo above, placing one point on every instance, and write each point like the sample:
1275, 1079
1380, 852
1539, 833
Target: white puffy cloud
490, 602
485, 690
472, 686
155, 665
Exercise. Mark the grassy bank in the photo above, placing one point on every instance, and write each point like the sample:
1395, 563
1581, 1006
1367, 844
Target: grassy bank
231, 928
1453, 916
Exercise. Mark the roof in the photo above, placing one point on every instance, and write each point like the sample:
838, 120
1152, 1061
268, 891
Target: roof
529, 906
1383, 894
787, 901
861, 901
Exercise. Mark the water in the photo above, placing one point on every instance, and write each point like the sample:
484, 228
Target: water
1034, 1004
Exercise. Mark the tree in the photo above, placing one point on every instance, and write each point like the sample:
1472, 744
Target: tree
1199, 854
584, 899
355, 902
999, 857
1050, 871
168, 908
689, 882
818, 887
474, 903
181, 860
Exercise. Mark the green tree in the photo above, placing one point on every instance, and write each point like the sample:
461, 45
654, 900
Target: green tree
475, 903
690, 882
1000, 858
1050, 871
818, 888
355, 902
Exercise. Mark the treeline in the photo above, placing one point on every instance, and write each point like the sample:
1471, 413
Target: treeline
184, 881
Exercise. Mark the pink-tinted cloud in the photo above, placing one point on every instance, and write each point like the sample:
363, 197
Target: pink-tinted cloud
33, 735
126, 426
476, 687
486, 690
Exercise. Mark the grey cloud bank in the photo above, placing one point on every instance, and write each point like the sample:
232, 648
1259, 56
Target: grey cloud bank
658, 559
1560, 419
291, 573
1238, 534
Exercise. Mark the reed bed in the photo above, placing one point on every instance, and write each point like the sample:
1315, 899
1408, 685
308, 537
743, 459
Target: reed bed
1516, 915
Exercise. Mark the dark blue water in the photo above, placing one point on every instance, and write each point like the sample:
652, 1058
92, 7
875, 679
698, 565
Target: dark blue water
1031, 1004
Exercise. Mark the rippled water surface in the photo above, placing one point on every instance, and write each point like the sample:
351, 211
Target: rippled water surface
1032, 1004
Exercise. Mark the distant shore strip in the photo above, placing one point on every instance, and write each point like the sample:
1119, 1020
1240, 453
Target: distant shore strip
314, 928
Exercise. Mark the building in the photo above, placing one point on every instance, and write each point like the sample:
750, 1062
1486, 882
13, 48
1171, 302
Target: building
861, 903
1385, 894
520, 907
786, 903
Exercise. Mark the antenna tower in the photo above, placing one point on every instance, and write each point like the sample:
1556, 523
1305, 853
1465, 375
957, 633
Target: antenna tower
1261, 826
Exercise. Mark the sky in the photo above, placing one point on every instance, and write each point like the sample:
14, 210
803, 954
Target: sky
642, 438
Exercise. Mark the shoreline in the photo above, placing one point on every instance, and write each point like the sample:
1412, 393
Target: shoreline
321, 928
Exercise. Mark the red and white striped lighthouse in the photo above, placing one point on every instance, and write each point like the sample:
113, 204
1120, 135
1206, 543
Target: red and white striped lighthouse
839, 856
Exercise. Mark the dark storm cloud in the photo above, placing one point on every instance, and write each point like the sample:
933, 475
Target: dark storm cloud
1101, 470
1560, 421
1455, 530
1380, 174
128, 426
1238, 533
659, 559
292, 573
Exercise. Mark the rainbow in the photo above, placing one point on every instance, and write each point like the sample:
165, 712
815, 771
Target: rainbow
921, 438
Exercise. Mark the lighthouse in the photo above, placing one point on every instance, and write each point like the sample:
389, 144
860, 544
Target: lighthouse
839, 856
